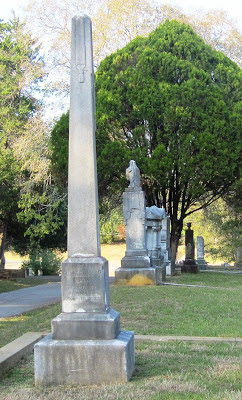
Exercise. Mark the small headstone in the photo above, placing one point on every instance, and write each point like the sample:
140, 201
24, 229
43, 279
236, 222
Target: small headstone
189, 265
200, 253
225, 265
164, 243
86, 345
154, 218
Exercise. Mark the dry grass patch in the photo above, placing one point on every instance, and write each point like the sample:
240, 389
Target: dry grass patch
164, 371
113, 251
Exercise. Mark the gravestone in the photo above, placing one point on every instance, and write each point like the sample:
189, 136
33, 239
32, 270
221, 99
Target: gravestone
202, 264
86, 345
164, 243
154, 218
189, 265
136, 263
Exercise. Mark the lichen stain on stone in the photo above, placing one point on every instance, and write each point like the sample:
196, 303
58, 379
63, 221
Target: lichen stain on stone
139, 280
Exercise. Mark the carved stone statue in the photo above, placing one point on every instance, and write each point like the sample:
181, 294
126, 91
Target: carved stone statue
155, 212
133, 175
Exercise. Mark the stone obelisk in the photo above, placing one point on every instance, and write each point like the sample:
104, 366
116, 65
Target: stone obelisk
86, 345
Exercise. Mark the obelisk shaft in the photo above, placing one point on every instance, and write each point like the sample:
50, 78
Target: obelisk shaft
85, 346
83, 220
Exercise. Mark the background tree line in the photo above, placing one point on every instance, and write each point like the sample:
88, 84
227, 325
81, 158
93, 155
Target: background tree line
173, 104
166, 100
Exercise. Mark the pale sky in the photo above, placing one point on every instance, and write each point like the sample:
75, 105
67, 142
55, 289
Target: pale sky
233, 7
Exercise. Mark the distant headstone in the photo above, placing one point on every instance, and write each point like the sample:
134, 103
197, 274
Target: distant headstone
154, 218
86, 346
164, 243
200, 253
189, 265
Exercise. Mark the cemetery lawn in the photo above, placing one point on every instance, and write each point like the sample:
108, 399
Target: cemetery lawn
9, 285
215, 279
158, 310
164, 371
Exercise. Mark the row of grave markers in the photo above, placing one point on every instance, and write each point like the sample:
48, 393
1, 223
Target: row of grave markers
147, 229
147, 236
86, 345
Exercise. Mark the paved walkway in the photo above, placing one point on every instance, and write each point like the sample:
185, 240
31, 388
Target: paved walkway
22, 300
28, 299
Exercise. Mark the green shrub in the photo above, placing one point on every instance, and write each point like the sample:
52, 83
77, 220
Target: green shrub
50, 263
33, 262
109, 225
43, 261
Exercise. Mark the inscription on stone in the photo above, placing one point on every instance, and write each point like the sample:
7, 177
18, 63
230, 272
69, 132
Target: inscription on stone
79, 37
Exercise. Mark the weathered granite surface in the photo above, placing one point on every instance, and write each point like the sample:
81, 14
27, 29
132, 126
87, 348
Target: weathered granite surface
136, 255
202, 264
85, 285
84, 362
134, 214
86, 345
164, 243
154, 220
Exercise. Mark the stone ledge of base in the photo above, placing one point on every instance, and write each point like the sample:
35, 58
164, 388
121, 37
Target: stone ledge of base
12, 353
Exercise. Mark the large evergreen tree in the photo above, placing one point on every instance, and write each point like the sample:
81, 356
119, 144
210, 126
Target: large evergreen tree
174, 104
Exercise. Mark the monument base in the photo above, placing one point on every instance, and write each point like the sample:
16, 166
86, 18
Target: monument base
202, 265
160, 274
84, 362
190, 266
160, 268
85, 285
138, 276
135, 262
80, 326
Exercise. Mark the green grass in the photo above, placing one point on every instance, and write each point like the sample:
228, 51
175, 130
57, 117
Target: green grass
164, 371
155, 310
172, 310
34, 321
7, 285
218, 279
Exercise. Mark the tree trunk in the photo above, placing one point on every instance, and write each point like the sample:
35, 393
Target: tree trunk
2, 245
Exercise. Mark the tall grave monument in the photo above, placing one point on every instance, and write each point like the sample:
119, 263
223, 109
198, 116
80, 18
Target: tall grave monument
136, 263
189, 265
86, 345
